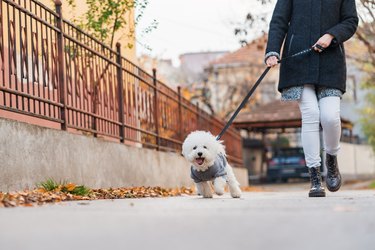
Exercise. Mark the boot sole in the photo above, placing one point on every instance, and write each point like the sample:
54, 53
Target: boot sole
333, 189
317, 194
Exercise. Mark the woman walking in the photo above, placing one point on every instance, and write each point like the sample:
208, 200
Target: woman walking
318, 80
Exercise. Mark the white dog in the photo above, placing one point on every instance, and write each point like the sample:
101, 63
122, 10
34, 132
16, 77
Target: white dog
209, 163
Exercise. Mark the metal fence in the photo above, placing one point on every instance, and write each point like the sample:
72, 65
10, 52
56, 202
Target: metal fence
53, 71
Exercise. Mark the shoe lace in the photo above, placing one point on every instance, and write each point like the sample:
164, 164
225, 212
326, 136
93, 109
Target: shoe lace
315, 177
331, 168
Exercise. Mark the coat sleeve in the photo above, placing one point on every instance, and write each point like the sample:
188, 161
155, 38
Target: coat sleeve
348, 23
279, 25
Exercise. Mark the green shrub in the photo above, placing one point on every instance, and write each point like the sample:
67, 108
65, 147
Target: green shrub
64, 186
48, 185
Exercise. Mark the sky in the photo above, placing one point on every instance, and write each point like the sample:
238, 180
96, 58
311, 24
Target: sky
192, 26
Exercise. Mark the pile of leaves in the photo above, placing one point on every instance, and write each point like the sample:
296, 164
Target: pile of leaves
139, 192
51, 191
28, 198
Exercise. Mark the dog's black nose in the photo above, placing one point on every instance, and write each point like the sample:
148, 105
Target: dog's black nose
200, 153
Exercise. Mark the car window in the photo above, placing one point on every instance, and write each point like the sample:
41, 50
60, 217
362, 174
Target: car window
288, 152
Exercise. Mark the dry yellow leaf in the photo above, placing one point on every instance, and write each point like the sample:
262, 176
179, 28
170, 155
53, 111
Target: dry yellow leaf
41, 190
70, 186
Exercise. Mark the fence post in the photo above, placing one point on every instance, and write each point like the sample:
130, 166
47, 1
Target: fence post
180, 124
156, 111
120, 92
61, 60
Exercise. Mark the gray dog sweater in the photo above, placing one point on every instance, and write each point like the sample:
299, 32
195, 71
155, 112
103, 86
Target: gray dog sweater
214, 171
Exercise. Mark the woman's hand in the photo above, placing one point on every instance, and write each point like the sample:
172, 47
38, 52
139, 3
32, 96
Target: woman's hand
271, 61
323, 42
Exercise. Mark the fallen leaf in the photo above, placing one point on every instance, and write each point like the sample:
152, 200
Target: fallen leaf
70, 187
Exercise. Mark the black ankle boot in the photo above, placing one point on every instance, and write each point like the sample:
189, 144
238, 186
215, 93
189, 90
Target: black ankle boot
317, 189
333, 179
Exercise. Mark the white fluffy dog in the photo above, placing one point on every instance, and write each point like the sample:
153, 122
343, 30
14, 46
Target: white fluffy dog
209, 163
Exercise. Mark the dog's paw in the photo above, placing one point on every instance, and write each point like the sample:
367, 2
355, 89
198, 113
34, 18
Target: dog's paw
236, 192
219, 184
220, 193
219, 189
207, 195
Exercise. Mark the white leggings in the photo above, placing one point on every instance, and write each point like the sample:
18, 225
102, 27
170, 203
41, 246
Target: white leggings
325, 111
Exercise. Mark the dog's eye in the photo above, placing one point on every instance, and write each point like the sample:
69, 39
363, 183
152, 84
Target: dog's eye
195, 148
205, 147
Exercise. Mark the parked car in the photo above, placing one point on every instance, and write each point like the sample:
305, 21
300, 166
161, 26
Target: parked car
287, 163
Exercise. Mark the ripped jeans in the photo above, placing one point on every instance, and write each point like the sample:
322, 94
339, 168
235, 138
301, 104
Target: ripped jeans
326, 112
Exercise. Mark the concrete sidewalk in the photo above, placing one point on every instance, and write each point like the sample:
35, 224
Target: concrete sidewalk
260, 220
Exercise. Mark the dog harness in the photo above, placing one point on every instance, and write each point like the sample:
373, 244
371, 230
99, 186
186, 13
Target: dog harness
214, 171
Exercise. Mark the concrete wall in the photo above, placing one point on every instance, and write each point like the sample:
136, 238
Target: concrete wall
356, 161
30, 154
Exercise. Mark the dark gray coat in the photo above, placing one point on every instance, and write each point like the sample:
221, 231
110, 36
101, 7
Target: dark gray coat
304, 22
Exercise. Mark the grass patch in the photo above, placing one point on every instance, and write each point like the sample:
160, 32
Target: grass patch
48, 185
52, 185
372, 185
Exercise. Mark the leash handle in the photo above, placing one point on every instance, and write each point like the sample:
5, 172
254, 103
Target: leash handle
244, 101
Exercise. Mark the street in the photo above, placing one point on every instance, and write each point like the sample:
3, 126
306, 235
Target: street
259, 220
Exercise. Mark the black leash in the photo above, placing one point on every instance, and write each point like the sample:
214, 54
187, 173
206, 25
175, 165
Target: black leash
243, 103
